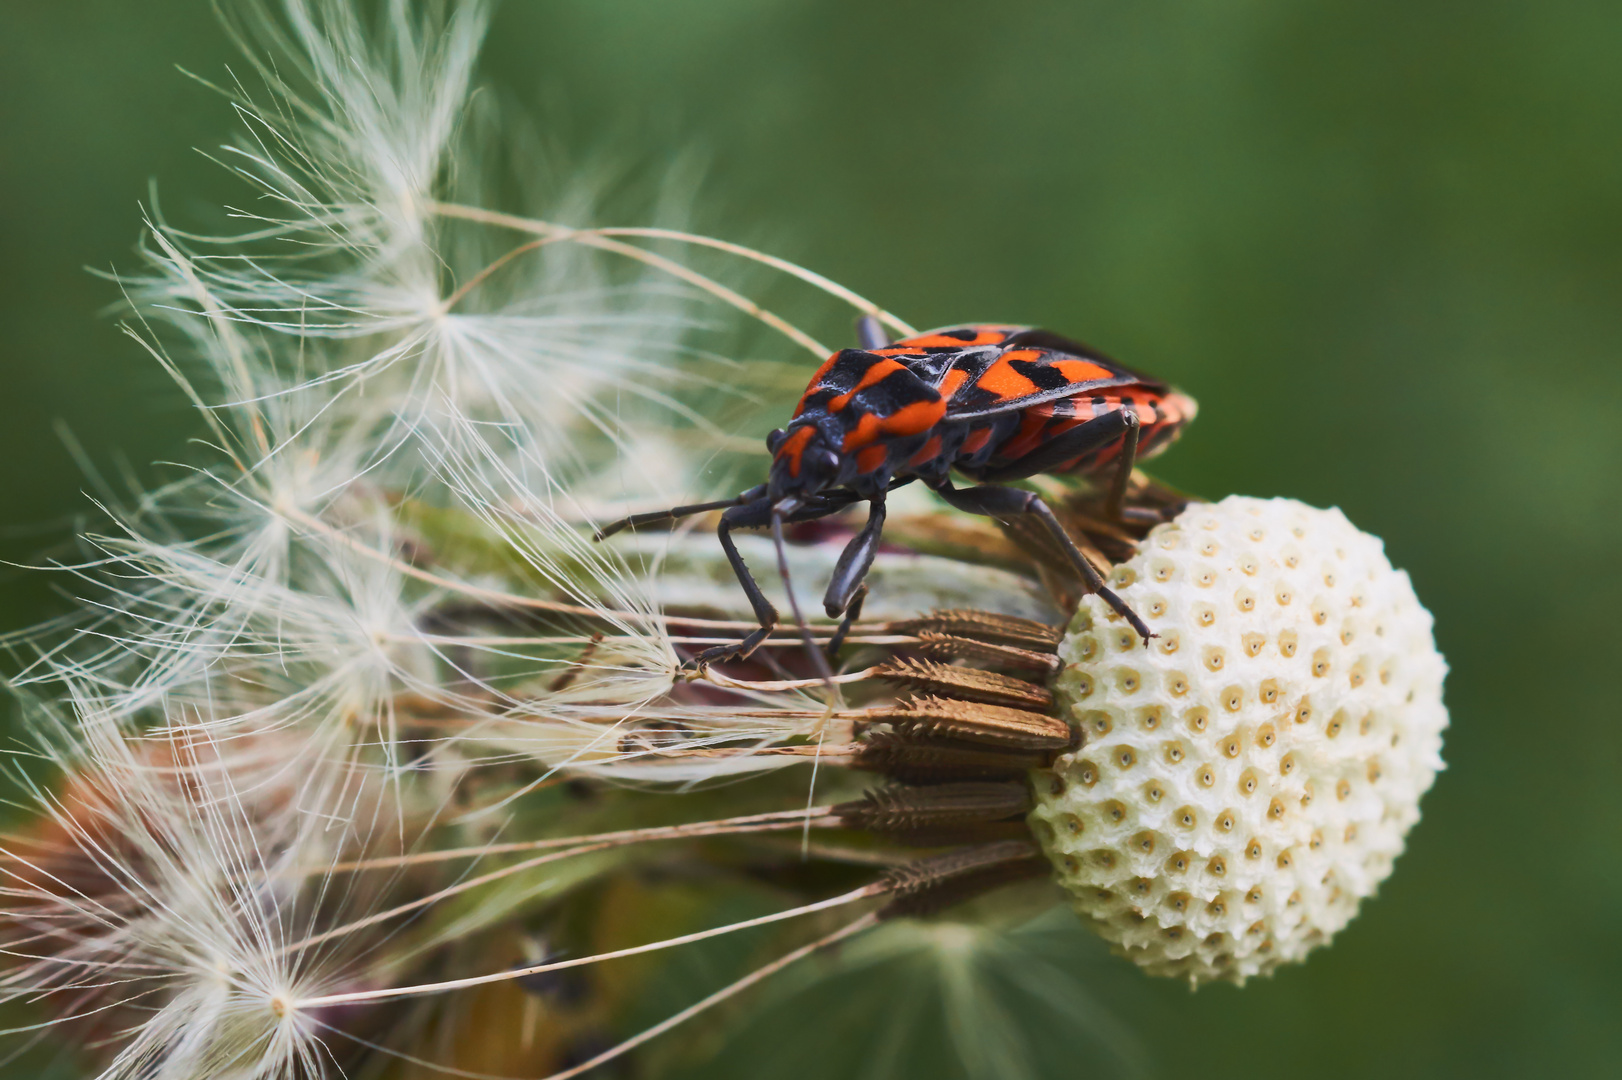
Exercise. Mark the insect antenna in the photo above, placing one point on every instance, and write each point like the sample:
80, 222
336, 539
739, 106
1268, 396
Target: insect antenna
818, 660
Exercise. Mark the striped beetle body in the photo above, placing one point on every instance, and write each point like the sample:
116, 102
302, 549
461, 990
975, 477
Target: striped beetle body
991, 402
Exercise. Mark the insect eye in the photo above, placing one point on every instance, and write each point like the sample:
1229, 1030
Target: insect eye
828, 460
775, 439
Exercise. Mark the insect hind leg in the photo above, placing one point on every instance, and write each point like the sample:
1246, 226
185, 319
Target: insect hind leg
1095, 434
995, 501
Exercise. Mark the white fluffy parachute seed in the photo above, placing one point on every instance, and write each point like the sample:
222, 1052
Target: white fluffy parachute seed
1247, 779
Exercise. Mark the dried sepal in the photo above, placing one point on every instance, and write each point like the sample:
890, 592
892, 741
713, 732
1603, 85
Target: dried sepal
990, 725
972, 684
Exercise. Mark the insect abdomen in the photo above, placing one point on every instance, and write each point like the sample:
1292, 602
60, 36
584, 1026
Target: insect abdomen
1159, 418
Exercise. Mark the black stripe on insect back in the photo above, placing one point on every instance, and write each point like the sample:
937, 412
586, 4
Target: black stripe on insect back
893, 393
1048, 341
847, 370
842, 376
1044, 375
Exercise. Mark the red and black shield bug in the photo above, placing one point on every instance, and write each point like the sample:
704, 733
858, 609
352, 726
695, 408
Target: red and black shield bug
995, 403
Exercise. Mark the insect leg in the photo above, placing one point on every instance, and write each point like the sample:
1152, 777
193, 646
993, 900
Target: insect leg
870, 333
991, 500
1123, 466
855, 561
818, 660
753, 514
1120, 425
846, 590
853, 611
1095, 434
676, 512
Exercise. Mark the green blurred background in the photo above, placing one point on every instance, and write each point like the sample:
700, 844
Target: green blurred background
1380, 242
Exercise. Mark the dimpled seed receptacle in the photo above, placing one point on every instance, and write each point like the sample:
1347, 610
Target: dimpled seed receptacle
1248, 779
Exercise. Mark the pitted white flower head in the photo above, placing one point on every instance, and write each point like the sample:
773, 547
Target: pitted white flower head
1247, 779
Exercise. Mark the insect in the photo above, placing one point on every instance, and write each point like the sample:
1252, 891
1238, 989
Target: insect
992, 403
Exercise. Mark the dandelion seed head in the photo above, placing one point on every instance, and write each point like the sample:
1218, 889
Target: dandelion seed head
1249, 778
155, 900
367, 615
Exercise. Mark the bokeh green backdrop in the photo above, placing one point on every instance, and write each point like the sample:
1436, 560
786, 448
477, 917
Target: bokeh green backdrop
1380, 241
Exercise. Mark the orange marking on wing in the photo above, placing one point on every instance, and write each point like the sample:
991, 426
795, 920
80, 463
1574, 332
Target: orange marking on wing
1004, 381
927, 452
952, 382
934, 341
1081, 371
872, 458
987, 334
873, 374
793, 448
977, 439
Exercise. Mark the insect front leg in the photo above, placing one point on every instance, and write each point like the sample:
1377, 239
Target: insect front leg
846, 590
755, 515
991, 500
853, 611
749, 515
